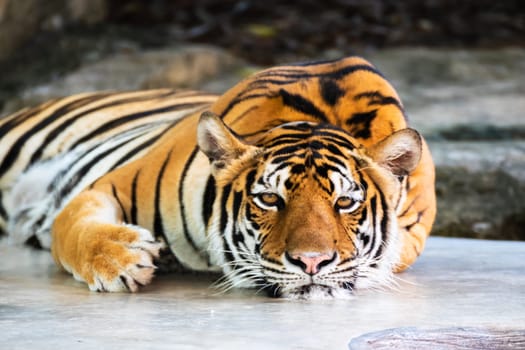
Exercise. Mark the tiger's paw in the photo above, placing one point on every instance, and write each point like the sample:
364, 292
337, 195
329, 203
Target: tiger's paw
121, 260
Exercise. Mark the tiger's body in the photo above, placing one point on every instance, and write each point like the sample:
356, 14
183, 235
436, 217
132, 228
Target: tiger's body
303, 180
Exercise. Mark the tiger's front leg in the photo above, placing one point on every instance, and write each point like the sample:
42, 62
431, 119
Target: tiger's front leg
91, 242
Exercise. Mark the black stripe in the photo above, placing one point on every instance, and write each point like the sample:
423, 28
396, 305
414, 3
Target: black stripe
13, 121
303, 105
317, 145
316, 63
335, 138
362, 219
142, 146
134, 152
250, 179
129, 118
3, 212
239, 99
289, 151
345, 145
283, 164
237, 199
262, 83
115, 194
328, 167
362, 181
373, 214
228, 255
400, 192
284, 140
15, 149
53, 134
376, 98
158, 224
341, 73
337, 74
359, 124
224, 210
297, 169
384, 226
238, 240
294, 76
250, 217
321, 185
187, 165
133, 210
75, 179
210, 192
243, 115
335, 160
124, 281
330, 91
299, 127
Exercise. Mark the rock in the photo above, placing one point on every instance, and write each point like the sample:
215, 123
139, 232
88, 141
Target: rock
480, 189
21, 20
185, 67
454, 338
507, 156
193, 67
446, 89
16, 26
479, 204
87, 11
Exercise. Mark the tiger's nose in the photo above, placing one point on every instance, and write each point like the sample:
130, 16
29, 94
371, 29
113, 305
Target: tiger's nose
311, 262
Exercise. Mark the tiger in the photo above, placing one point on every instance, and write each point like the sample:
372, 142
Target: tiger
302, 181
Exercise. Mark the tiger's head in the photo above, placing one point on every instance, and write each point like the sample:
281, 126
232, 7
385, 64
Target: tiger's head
305, 211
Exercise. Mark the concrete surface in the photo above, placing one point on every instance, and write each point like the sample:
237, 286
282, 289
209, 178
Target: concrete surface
456, 283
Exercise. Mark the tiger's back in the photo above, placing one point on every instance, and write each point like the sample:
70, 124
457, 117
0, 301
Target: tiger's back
137, 155
51, 152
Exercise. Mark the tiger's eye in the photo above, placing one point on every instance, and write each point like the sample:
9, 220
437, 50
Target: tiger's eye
344, 202
269, 199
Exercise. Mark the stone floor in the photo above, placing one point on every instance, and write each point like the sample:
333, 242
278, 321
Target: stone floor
456, 283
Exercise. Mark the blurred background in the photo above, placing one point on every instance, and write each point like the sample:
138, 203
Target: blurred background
459, 67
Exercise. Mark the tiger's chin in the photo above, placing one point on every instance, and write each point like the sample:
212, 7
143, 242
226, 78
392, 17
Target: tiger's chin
310, 292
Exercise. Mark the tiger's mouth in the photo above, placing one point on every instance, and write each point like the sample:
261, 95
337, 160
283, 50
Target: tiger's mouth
312, 291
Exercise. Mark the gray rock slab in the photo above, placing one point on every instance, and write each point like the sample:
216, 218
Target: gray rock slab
455, 338
445, 88
480, 188
455, 283
477, 156
183, 67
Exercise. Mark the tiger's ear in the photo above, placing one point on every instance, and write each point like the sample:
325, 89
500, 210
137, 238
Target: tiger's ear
220, 144
400, 152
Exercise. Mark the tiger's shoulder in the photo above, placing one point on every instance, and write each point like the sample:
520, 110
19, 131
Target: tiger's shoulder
349, 93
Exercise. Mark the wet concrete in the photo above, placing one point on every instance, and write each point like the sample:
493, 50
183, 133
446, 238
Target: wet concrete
456, 283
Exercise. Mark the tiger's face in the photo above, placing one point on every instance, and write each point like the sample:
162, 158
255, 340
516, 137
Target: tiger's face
305, 211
